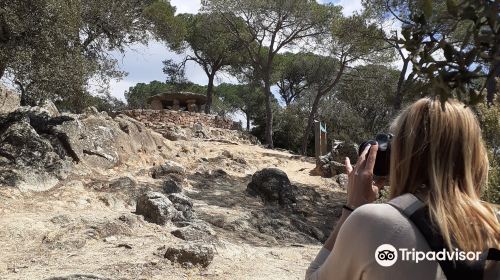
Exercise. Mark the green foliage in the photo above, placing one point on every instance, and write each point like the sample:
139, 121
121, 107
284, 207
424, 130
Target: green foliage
361, 106
52, 49
453, 45
492, 191
137, 95
101, 102
290, 73
490, 124
160, 15
290, 126
264, 28
230, 98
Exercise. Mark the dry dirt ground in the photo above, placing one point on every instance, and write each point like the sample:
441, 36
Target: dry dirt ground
87, 226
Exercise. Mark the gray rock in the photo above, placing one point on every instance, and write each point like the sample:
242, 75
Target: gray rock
30, 161
332, 163
122, 183
156, 208
100, 141
38, 145
341, 150
273, 186
337, 168
167, 168
199, 131
9, 100
172, 186
183, 204
198, 231
341, 179
195, 254
51, 108
91, 110
269, 184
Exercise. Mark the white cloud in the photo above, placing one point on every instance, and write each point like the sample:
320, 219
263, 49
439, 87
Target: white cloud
118, 88
186, 6
350, 6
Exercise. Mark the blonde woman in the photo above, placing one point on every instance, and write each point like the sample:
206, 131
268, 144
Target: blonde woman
438, 166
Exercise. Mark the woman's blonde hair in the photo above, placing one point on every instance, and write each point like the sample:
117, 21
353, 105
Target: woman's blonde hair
438, 148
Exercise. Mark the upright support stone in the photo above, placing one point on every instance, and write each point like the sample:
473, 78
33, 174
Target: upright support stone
191, 105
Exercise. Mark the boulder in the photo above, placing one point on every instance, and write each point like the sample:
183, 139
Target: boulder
341, 150
332, 164
183, 204
199, 131
270, 184
341, 179
29, 160
9, 100
172, 186
198, 231
156, 208
167, 168
51, 108
191, 254
337, 168
174, 135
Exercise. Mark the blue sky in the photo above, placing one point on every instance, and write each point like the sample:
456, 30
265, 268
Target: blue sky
144, 63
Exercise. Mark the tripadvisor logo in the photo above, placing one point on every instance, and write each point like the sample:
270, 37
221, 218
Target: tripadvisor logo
387, 255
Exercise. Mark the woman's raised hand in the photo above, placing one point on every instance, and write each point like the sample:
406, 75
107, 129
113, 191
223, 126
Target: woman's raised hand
360, 187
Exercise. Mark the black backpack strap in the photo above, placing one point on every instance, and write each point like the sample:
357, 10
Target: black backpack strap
418, 213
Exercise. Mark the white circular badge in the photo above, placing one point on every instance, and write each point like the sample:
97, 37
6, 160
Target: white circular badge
386, 255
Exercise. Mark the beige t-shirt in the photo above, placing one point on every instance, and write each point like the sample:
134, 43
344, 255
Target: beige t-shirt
353, 255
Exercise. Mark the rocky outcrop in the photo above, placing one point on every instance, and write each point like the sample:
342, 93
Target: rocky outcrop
38, 145
177, 126
199, 231
172, 186
156, 208
160, 209
167, 168
332, 164
273, 186
9, 100
100, 141
181, 118
31, 158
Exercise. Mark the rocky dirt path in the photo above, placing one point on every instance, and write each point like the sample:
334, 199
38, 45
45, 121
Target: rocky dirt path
86, 225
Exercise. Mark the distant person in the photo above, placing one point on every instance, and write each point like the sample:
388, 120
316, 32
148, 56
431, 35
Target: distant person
438, 165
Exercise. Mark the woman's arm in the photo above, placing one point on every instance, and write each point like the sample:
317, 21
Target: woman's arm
360, 191
327, 248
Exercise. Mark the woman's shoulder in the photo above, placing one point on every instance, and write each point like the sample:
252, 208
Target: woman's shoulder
379, 211
380, 223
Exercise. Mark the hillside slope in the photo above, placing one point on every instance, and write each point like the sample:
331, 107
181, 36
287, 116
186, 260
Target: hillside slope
86, 226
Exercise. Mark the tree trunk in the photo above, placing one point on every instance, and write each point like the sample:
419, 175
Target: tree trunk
310, 122
210, 89
247, 116
398, 98
269, 113
3, 66
24, 99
